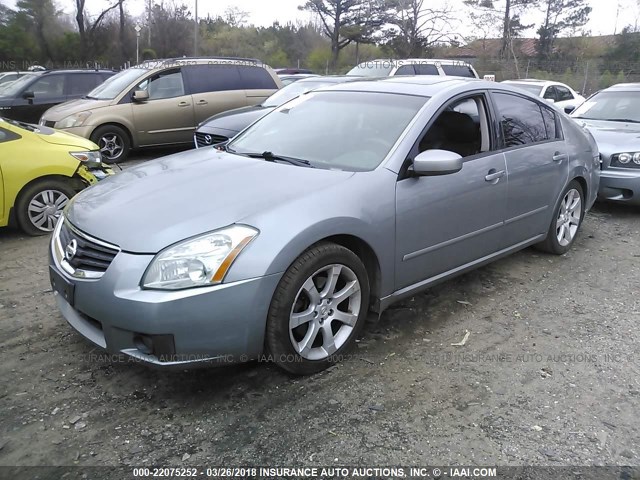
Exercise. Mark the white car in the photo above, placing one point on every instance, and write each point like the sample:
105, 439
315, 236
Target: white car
413, 66
563, 96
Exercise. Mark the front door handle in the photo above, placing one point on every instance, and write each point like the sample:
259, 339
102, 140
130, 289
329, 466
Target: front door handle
558, 157
493, 175
184, 104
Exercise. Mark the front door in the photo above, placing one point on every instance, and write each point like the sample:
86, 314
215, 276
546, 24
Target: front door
167, 116
446, 222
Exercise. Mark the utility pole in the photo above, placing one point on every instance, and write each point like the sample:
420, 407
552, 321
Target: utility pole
149, 24
195, 33
137, 29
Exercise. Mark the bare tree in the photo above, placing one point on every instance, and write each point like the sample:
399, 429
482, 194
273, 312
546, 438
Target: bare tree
235, 17
86, 35
415, 27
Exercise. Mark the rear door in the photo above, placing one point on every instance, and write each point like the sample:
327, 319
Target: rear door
214, 88
48, 90
257, 82
537, 163
167, 116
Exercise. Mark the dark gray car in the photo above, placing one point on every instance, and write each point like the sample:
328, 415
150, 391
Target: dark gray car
327, 210
613, 118
223, 126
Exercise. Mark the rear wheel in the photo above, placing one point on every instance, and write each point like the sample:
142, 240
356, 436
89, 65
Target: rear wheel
566, 222
40, 204
114, 143
318, 309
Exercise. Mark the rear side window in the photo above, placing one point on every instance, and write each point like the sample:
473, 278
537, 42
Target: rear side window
458, 70
521, 120
406, 70
212, 78
550, 124
81, 83
426, 69
256, 78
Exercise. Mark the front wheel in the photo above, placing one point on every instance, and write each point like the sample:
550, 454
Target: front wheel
566, 221
318, 309
114, 143
39, 205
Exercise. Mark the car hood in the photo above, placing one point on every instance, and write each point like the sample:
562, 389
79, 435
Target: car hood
613, 137
149, 207
57, 137
234, 120
58, 112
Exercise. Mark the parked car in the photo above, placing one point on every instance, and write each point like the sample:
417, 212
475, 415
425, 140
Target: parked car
413, 66
40, 170
612, 115
161, 102
562, 95
287, 79
220, 128
336, 204
293, 71
28, 97
6, 77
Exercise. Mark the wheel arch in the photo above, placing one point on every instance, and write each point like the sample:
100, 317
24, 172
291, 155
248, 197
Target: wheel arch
125, 128
76, 183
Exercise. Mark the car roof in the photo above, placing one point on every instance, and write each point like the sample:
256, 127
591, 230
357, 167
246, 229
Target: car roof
445, 61
329, 79
76, 70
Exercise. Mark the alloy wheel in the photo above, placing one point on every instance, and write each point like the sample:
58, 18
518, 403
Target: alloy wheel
325, 312
569, 217
111, 146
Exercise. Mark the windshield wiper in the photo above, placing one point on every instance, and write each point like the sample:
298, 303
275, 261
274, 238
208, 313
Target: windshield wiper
270, 157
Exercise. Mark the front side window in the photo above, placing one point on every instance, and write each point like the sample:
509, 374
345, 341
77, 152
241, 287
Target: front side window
520, 119
48, 86
461, 127
563, 93
114, 86
351, 131
167, 84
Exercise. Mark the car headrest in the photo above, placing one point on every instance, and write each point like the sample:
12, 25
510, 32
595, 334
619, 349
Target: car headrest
459, 126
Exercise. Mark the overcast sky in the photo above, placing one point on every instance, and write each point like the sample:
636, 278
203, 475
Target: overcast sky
607, 16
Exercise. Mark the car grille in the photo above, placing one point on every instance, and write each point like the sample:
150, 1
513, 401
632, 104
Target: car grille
89, 255
206, 139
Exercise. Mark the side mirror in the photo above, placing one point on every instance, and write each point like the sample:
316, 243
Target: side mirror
28, 95
436, 162
569, 109
140, 96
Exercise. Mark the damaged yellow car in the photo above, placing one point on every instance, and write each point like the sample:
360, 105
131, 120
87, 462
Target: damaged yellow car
40, 170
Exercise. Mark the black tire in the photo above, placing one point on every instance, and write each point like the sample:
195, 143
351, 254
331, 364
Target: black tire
114, 143
279, 337
26, 221
552, 244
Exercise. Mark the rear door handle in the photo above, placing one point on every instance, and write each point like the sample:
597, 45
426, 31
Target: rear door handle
493, 175
203, 102
183, 104
558, 157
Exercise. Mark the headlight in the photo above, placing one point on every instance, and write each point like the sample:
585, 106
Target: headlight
626, 160
75, 120
199, 261
90, 158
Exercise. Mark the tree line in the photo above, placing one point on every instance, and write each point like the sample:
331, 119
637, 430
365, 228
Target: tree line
341, 33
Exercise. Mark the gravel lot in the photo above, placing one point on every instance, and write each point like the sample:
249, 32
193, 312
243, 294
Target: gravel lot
548, 376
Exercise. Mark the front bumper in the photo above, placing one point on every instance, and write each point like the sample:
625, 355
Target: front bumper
221, 324
620, 185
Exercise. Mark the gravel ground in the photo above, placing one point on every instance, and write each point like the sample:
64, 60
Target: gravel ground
548, 376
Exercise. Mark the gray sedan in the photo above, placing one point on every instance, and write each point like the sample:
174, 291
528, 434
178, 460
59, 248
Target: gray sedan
321, 214
613, 117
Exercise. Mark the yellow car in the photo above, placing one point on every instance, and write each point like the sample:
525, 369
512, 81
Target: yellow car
40, 170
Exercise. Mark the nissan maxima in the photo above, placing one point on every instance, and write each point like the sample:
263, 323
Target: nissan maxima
318, 216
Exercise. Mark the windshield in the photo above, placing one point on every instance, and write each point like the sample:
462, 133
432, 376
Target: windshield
611, 105
372, 69
13, 88
113, 86
351, 131
535, 89
291, 91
